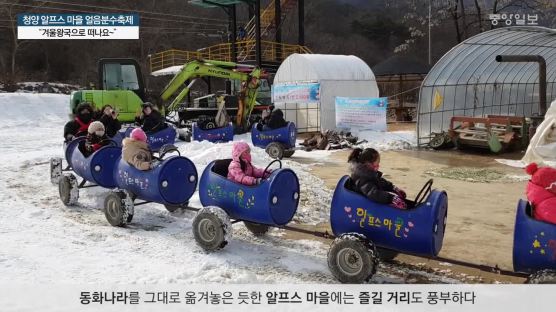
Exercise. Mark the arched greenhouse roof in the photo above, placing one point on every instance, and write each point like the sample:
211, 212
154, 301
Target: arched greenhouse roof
468, 81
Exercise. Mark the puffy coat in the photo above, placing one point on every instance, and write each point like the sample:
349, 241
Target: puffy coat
153, 122
80, 123
93, 143
111, 125
136, 153
276, 119
242, 171
371, 184
544, 202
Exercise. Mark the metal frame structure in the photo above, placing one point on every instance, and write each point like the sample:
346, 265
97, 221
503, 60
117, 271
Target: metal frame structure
468, 80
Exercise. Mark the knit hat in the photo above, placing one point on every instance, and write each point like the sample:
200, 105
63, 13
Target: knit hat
96, 127
139, 135
544, 177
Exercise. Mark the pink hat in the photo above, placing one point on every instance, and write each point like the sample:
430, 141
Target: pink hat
139, 135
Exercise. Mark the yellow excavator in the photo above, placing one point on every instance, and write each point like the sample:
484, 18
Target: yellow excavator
122, 86
249, 77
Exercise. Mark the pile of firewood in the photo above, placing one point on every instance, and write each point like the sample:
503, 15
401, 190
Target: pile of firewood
329, 140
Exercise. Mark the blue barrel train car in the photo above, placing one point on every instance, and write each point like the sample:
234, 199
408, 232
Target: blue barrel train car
171, 182
271, 203
216, 135
534, 249
277, 143
360, 225
155, 140
96, 169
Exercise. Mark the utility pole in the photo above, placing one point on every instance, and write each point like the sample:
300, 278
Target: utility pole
430, 56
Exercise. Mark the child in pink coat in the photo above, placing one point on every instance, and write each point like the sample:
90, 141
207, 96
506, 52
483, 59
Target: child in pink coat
241, 170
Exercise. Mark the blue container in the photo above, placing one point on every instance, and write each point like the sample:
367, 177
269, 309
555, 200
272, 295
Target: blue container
224, 134
273, 202
98, 168
534, 242
418, 230
172, 182
155, 140
285, 135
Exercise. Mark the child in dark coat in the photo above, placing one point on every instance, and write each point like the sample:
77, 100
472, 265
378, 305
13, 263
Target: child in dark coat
109, 119
150, 119
96, 138
81, 122
368, 181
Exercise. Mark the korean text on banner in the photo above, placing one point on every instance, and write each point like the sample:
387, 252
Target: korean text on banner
77, 26
296, 93
361, 113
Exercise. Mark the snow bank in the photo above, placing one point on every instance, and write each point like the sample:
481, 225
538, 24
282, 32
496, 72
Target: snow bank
26, 109
167, 71
383, 141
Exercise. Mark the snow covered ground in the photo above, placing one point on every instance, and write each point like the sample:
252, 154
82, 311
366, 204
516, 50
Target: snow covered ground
44, 241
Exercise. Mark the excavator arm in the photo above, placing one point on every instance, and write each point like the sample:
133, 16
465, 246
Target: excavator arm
196, 69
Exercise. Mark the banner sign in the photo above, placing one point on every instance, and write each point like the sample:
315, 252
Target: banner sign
77, 26
361, 113
296, 93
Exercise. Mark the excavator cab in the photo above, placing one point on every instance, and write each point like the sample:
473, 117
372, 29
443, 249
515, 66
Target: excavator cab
121, 86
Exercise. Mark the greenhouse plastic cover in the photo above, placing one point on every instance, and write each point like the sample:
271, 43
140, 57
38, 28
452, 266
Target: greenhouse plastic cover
317, 67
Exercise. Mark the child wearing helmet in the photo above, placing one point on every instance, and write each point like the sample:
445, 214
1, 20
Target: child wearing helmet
136, 151
96, 138
367, 180
241, 170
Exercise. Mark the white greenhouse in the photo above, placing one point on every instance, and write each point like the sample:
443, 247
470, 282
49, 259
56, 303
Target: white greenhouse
306, 85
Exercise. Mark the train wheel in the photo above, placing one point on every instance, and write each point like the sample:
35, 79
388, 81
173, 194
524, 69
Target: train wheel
542, 277
352, 258
212, 228
68, 189
275, 150
173, 208
256, 228
118, 208
55, 169
386, 255
289, 153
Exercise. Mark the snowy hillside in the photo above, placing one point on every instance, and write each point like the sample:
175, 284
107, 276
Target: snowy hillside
44, 241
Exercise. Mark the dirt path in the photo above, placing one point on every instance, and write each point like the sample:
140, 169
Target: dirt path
481, 214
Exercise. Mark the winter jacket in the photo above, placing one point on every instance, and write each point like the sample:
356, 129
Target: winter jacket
111, 125
93, 143
371, 184
242, 171
136, 153
276, 120
154, 122
544, 202
72, 128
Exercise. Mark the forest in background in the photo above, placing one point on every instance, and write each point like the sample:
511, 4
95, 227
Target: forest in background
370, 29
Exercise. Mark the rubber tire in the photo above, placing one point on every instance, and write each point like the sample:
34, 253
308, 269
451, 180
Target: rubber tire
362, 248
542, 277
118, 214
173, 208
437, 142
55, 170
66, 186
256, 228
289, 153
275, 150
386, 255
209, 219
